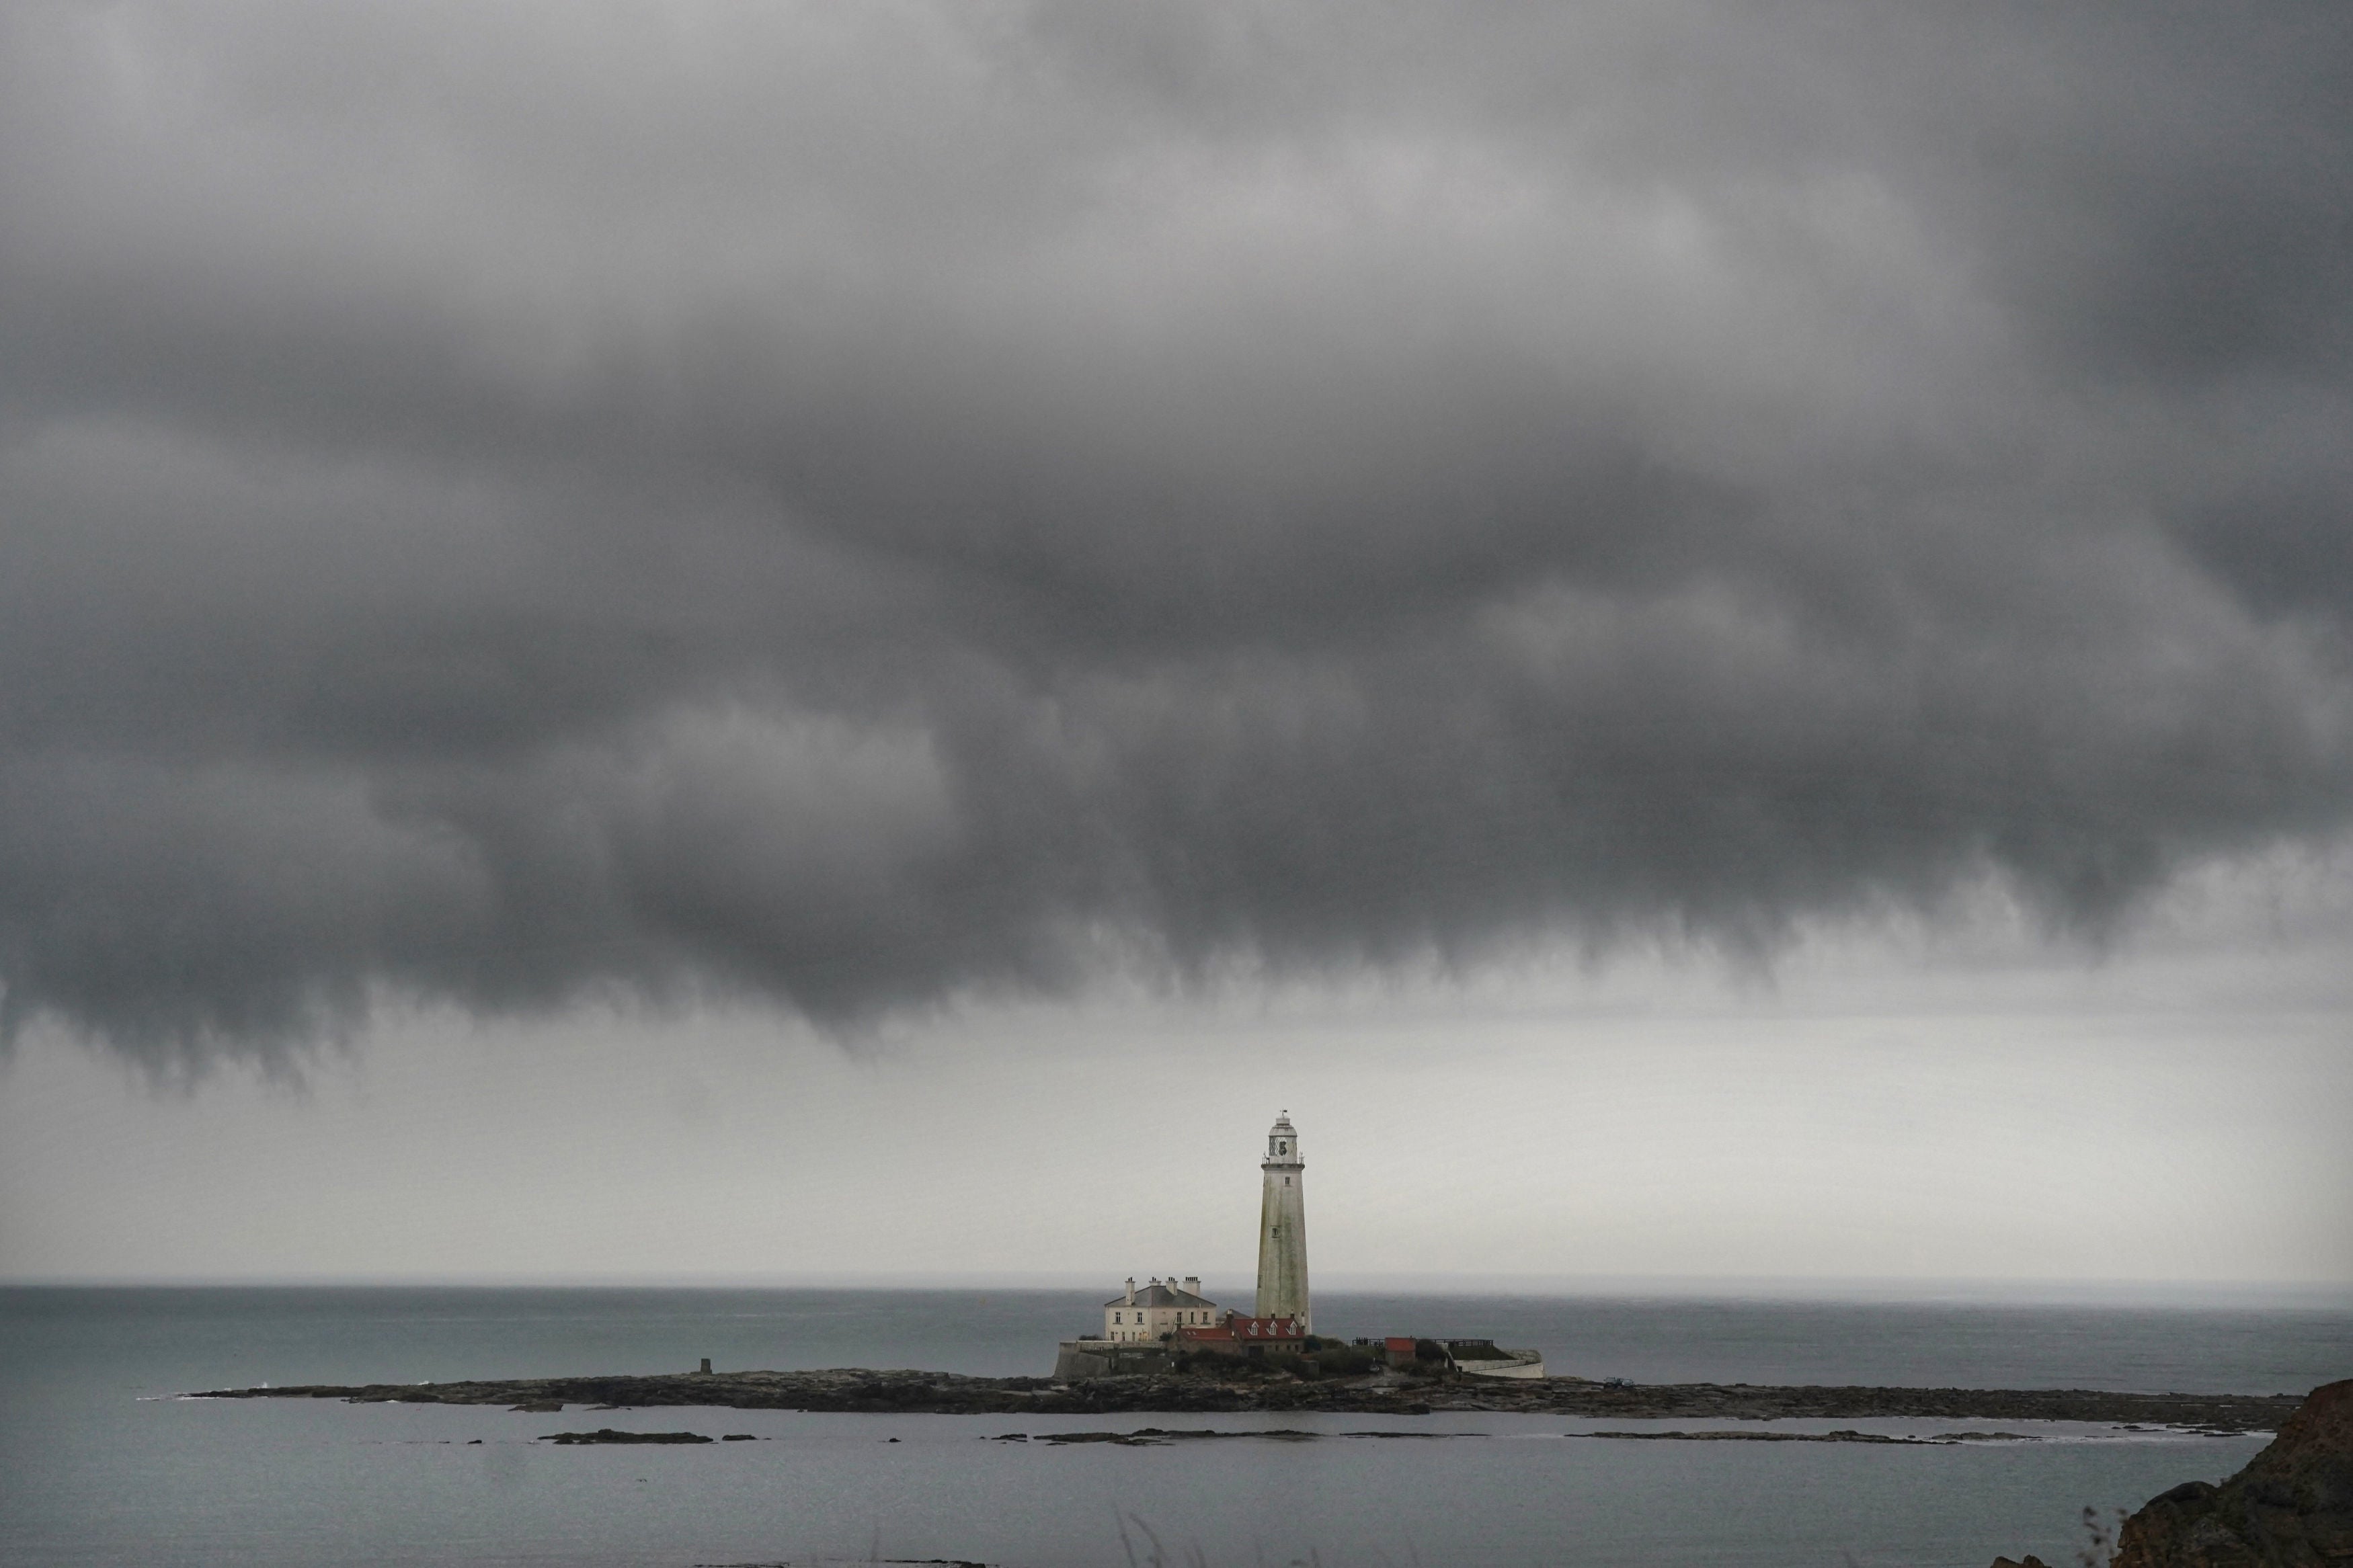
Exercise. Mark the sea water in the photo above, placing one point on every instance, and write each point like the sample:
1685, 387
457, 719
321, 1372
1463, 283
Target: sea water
100, 1463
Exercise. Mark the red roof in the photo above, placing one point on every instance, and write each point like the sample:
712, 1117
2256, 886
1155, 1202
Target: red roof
1235, 1328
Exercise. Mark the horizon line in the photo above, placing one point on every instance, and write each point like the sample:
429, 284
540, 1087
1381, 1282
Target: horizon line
1861, 1289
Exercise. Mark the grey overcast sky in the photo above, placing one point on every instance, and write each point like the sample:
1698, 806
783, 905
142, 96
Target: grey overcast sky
1716, 639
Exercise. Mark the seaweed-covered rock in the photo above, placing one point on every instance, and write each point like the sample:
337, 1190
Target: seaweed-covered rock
950, 1394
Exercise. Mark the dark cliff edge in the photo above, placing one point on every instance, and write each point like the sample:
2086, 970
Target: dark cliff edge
913, 1393
2292, 1507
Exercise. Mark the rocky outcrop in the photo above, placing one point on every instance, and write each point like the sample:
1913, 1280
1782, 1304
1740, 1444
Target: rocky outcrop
2292, 1507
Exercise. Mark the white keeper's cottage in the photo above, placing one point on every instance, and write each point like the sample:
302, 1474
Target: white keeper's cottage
1155, 1312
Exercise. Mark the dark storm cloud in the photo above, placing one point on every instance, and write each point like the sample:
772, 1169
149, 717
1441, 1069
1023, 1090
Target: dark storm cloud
857, 505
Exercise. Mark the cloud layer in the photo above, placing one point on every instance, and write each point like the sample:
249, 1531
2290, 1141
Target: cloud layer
858, 505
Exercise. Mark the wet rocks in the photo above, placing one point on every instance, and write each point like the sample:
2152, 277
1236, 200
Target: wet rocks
852, 1389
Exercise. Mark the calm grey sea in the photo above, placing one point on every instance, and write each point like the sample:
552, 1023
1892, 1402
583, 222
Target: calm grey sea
98, 1464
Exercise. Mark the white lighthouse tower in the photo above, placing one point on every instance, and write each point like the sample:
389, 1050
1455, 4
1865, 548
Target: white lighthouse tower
1283, 1229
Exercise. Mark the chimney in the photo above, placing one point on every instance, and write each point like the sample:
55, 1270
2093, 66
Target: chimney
1192, 1284
1131, 1289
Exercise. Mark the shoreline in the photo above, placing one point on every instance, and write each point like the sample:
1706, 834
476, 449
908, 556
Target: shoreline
861, 1391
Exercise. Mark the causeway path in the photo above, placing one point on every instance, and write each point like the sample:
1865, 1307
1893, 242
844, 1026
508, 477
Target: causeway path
857, 1389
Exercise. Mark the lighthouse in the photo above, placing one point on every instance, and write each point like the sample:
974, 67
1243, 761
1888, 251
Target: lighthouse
1283, 1228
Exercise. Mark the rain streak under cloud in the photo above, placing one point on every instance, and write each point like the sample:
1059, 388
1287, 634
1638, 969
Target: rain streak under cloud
859, 506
